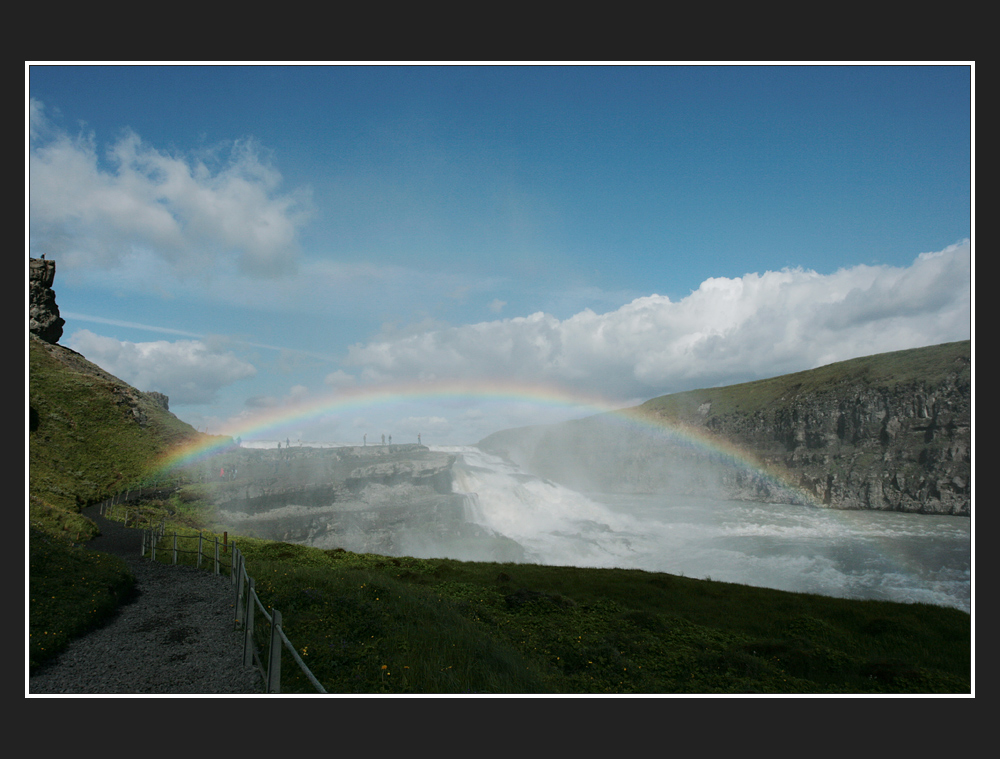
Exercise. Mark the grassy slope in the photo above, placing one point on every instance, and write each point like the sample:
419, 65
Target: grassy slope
71, 591
88, 445
373, 624
930, 365
365, 623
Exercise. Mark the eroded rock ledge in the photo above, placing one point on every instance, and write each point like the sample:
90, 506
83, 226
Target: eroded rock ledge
393, 500
43, 313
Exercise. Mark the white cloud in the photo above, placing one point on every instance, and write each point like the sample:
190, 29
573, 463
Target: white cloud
728, 330
496, 305
339, 378
188, 371
181, 208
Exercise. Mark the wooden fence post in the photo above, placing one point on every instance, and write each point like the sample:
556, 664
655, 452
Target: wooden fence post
248, 628
239, 578
238, 562
274, 659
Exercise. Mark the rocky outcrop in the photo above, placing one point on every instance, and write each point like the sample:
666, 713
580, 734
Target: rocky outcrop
889, 432
43, 314
136, 405
159, 399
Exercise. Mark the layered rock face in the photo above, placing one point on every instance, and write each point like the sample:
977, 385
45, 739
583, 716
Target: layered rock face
43, 314
393, 500
890, 432
904, 448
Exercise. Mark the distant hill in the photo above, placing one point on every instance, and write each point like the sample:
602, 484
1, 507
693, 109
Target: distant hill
890, 431
91, 434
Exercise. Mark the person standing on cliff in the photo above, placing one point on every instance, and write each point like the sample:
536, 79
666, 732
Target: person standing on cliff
365, 438
383, 438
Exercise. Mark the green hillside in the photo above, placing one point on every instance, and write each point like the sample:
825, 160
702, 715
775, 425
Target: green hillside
930, 365
91, 435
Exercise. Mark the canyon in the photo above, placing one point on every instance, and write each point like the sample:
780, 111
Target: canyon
887, 432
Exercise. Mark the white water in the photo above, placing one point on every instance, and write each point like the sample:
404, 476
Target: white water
852, 554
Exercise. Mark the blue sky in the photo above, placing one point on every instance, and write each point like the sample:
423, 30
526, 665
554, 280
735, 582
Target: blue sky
250, 238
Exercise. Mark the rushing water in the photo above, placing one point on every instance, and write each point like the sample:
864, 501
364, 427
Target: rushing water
852, 554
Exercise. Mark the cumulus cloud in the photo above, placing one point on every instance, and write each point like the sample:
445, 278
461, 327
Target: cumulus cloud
188, 371
339, 378
728, 330
98, 209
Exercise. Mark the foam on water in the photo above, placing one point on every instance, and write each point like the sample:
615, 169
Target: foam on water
891, 556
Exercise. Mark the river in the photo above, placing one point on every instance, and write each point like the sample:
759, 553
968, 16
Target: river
851, 554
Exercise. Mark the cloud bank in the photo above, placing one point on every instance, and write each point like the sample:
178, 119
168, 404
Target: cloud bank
97, 210
728, 330
188, 371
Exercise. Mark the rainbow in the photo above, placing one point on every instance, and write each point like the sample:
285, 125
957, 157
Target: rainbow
352, 400
277, 421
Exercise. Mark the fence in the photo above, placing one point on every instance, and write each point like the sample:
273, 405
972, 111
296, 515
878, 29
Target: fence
151, 538
114, 508
133, 494
245, 610
247, 600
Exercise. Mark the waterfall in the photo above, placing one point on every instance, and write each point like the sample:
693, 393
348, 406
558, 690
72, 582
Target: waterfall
554, 524
472, 511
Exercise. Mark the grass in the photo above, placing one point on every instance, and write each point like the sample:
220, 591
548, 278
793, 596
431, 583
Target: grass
87, 441
72, 591
928, 365
369, 624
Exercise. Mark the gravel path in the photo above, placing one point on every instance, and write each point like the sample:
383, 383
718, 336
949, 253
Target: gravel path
176, 636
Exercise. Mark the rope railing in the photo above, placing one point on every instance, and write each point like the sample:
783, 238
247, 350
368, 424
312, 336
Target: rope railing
152, 537
246, 601
246, 595
271, 670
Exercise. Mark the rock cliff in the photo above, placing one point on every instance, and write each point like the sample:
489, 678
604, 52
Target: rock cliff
889, 432
43, 314
393, 500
